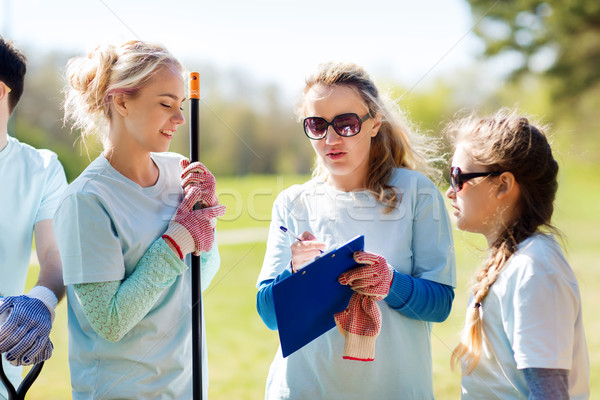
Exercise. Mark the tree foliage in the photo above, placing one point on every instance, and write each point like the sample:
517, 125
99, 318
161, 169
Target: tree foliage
559, 38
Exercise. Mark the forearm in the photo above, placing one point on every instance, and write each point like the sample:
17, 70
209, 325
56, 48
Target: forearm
51, 275
547, 384
265, 304
114, 308
420, 298
49, 259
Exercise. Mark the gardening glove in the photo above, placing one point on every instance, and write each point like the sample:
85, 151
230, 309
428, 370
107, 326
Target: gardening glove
359, 324
191, 230
25, 327
373, 278
197, 175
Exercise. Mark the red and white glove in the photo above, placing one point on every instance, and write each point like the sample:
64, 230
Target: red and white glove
191, 230
373, 278
360, 322
197, 175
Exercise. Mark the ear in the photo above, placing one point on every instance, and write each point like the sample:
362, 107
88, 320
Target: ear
119, 103
377, 121
3, 90
507, 186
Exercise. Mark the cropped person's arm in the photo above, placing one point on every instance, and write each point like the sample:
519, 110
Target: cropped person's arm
547, 384
49, 259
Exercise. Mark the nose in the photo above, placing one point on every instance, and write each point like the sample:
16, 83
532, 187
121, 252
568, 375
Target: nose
450, 193
332, 136
178, 118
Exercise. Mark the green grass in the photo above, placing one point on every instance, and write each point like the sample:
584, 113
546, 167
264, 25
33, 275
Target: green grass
241, 347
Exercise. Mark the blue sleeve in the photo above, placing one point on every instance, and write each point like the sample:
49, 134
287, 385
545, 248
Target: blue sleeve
420, 298
547, 384
264, 299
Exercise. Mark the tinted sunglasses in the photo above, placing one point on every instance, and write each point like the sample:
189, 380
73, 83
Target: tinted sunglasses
458, 178
345, 125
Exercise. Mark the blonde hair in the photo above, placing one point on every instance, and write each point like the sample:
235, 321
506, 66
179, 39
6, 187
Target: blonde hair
107, 70
395, 145
503, 142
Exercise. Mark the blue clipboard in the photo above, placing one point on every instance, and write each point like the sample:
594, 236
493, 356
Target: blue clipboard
305, 302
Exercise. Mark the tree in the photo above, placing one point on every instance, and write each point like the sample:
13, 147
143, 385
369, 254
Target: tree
557, 38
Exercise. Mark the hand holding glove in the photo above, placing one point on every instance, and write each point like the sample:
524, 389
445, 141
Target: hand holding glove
191, 230
373, 278
360, 322
197, 175
25, 330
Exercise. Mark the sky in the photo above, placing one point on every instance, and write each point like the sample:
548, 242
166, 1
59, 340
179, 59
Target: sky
275, 41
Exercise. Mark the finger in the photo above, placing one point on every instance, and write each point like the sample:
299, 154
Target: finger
196, 178
195, 167
364, 257
213, 212
191, 198
306, 235
308, 245
39, 353
184, 162
28, 343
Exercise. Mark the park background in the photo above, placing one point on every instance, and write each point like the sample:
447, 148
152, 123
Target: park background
434, 57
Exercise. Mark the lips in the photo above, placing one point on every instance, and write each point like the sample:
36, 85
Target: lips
167, 132
335, 154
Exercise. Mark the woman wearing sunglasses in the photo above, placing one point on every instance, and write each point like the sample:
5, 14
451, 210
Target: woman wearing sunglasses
525, 300
364, 183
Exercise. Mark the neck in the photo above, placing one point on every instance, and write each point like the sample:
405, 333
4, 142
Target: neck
347, 183
3, 137
3, 141
136, 166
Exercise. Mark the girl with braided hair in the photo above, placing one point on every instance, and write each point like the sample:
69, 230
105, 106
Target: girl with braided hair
523, 335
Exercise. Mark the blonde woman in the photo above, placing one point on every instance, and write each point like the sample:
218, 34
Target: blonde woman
524, 336
365, 183
125, 229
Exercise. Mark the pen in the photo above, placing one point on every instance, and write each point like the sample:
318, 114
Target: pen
292, 234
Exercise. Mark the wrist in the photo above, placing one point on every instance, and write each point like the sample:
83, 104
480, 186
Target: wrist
181, 238
46, 296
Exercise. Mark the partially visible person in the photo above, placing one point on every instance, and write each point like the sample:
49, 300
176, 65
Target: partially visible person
31, 183
366, 183
126, 228
523, 336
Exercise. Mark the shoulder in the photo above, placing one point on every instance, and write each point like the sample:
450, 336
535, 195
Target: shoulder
538, 255
294, 192
408, 178
35, 158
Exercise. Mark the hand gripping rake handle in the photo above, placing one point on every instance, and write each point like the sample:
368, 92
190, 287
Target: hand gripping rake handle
19, 393
196, 274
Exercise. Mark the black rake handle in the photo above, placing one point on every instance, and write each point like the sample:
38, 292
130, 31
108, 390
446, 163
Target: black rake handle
19, 393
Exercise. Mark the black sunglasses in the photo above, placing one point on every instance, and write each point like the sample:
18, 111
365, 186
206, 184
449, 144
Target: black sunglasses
345, 125
458, 178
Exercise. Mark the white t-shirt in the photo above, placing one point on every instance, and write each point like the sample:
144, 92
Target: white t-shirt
104, 225
415, 238
31, 183
532, 319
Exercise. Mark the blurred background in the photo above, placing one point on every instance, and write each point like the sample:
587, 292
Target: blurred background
434, 57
